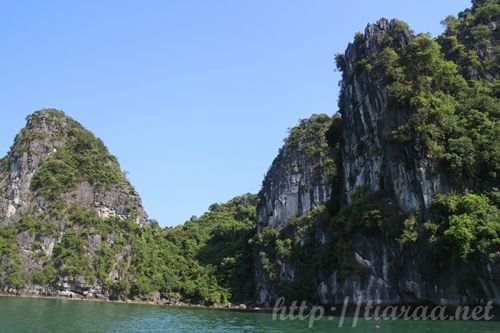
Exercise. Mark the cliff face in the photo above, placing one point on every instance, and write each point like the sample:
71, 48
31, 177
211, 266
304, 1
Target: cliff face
298, 181
55, 172
388, 274
370, 158
299, 178
373, 243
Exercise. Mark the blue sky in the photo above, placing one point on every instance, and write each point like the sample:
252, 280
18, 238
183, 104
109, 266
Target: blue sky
193, 97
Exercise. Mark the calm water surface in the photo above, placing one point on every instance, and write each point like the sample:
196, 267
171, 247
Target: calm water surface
29, 315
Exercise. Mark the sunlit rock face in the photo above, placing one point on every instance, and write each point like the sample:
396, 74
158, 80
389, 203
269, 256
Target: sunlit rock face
299, 178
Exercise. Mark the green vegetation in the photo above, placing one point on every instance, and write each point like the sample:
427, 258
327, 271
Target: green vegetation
32, 131
320, 242
467, 226
308, 140
70, 258
449, 87
37, 226
208, 260
454, 115
454, 122
4, 164
47, 275
218, 242
367, 211
472, 41
83, 158
410, 233
296, 246
10, 262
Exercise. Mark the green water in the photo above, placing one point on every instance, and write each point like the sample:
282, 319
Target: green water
21, 315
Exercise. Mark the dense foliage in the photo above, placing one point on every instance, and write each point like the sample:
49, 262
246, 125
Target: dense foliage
207, 260
472, 40
455, 122
467, 227
218, 241
309, 139
296, 246
10, 262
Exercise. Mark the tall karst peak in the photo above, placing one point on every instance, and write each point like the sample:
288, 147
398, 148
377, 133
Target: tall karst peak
55, 164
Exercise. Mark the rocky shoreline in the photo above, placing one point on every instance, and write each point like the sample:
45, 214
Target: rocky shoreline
73, 296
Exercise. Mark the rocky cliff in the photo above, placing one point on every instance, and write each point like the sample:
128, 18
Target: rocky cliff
300, 177
401, 220
56, 181
298, 181
370, 158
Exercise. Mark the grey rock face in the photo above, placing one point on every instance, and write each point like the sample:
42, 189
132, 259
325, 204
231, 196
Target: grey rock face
296, 186
116, 201
370, 159
298, 181
16, 180
299, 178
393, 276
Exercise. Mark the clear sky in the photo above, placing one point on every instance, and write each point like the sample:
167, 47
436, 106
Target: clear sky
193, 97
